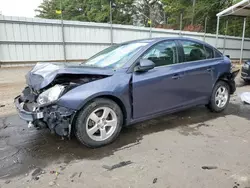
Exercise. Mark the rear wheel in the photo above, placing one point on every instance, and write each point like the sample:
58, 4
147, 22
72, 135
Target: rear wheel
99, 123
220, 97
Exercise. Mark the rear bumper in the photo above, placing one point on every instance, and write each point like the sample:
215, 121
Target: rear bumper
230, 78
25, 114
245, 74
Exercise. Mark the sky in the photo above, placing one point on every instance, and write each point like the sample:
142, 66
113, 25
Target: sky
23, 8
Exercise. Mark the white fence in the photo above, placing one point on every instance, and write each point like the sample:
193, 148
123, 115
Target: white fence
32, 40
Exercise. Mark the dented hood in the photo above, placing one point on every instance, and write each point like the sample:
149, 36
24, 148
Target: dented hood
44, 73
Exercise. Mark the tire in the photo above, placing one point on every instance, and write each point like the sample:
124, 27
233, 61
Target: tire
98, 123
214, 105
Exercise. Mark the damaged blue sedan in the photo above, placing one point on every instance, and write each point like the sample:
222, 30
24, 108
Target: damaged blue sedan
125, 84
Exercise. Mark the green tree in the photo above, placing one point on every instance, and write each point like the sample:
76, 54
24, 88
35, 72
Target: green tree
88, 10
138, 12
146, 10
203, 9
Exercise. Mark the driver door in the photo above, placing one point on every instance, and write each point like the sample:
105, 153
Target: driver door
159, 89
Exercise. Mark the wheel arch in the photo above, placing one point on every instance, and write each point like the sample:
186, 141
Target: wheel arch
116, 99
226, 78
118, 102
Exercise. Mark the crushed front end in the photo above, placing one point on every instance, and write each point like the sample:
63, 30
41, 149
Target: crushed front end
44, 115
46, 84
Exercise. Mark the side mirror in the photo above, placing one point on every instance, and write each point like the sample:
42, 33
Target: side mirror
144, 65
228, 56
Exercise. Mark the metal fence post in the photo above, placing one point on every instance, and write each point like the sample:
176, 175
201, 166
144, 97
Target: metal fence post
150, 30
111, 24
224, 43
217, 31
181, 23
205, 30
63, 40
243, 38
63, 36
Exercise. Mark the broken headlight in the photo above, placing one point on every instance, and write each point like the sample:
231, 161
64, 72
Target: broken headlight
50, 95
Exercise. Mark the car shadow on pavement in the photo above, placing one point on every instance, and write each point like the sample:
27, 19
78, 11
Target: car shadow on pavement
23, 149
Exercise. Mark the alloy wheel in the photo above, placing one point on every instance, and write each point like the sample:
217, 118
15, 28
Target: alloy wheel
221, 96
101, 124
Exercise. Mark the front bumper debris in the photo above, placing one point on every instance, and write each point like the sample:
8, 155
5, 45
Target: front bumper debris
25, 114
57, 118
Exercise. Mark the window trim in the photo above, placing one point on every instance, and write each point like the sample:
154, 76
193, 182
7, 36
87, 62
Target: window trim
211, 48
216, 50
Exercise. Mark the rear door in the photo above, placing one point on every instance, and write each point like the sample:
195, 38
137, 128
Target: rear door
199, 65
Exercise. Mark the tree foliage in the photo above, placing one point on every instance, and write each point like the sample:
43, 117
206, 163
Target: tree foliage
88, 10
139, 12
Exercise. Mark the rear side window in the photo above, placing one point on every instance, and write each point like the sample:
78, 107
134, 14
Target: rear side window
193, 51
209, 52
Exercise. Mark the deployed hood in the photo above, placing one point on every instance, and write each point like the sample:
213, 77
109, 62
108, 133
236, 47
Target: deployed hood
44, 73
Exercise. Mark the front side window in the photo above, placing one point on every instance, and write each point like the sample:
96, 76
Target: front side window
193, 51
164, 53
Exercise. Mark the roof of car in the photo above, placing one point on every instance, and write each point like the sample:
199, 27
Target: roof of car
155, 40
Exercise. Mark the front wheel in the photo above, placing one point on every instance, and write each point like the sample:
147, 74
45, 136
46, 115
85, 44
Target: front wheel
220, 97
99, 123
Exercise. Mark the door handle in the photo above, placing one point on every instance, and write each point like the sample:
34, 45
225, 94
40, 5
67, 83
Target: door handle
209, 69
176, 76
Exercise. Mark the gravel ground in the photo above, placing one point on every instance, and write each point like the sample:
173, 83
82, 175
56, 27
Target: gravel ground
170, 151
12, 81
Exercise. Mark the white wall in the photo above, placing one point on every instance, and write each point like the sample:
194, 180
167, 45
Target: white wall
27, 39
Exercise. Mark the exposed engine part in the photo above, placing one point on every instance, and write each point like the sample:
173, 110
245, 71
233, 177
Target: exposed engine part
72, 80
76, 79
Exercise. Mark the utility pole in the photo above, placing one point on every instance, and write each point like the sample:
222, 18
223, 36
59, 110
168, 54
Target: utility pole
194, 2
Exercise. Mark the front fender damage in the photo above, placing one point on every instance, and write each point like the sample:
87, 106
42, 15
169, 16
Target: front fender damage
58, 118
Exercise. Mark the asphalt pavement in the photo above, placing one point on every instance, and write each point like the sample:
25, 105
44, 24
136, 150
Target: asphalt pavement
193, 148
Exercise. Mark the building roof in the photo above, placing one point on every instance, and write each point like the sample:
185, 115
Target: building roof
239, 9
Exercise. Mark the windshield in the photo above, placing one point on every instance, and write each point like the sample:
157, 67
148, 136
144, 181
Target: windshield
115, 56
